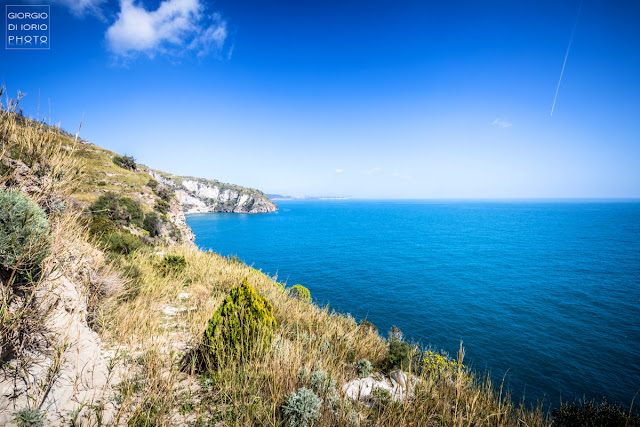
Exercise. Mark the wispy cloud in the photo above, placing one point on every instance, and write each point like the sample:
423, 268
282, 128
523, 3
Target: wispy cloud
501, 123
80, 8
339, 170
374, 171
175, 27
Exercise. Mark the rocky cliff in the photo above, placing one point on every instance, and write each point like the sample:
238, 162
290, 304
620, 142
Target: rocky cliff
199, 195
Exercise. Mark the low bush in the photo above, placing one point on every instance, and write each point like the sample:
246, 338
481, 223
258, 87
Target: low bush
120, 210
125, 162
122, 242
591, 414
28, 417
172, 264
242, 326
302, 408
399, 355
151, 223
162, 207
24, 236
153, 184
364, 368
300, 292
102, 226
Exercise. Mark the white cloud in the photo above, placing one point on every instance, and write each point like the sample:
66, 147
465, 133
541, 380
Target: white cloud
339, 170
176, 26
374, 171
81, 7
501, 123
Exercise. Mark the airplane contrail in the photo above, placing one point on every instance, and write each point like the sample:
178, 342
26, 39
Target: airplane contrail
566, 56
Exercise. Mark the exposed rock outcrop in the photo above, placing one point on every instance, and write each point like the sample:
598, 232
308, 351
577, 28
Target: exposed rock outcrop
362, 389
68, 376
199, 195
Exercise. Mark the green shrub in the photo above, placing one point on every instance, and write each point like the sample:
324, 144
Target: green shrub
24, 235
591, 414
162, 207
153, 184
172, 264
398, 355
101, 183
152, 223
240, 327
122, 242
125, 162
364, 368
28, 417
102, 226
300, 292
302, 408
120, 210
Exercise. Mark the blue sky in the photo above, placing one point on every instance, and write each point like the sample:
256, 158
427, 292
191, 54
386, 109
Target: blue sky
367, 99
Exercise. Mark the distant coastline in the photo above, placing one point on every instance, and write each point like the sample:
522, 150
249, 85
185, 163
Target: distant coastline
281, 197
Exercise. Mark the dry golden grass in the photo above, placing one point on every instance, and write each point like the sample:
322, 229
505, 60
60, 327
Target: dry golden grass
157, 339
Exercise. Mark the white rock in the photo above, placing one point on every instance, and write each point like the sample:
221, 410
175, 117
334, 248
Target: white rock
398, 378
362, 388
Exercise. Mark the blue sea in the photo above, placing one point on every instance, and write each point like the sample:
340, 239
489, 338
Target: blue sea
545, 294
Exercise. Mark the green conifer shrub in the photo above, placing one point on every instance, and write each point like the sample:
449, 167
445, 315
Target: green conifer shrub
300, 292
241, 327
172, 264
302, 408
24, 235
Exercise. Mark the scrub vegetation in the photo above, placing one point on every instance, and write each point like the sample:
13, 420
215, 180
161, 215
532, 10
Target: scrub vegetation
201, 339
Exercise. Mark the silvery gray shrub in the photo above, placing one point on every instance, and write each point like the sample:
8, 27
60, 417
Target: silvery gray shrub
302, 408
